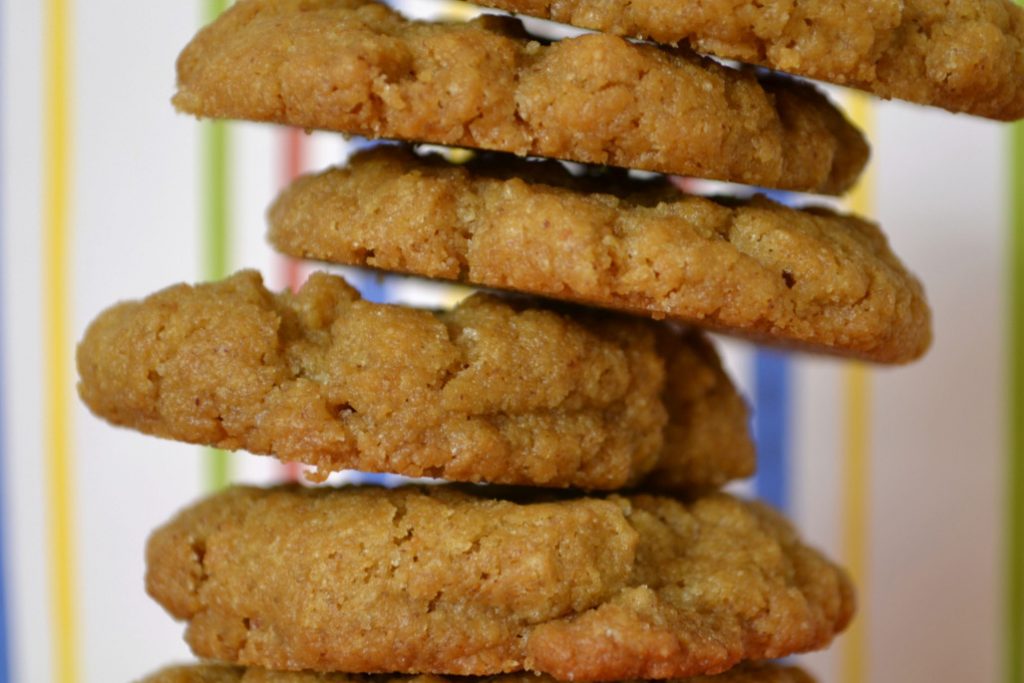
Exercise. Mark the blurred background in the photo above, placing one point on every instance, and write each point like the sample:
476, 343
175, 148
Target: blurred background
910, 476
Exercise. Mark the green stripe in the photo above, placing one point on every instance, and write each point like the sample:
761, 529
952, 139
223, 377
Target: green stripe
213, 9
216, 232
1014, 617
216, 235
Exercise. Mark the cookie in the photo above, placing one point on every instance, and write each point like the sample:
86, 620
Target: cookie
493, 390
456, 581
812, 278
965, 56
358, 67
223, 673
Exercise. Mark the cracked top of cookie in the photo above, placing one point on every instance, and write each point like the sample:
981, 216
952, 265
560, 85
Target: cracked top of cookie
810, 278
469, 581
964, 56
494, 390
358, 67
224, 673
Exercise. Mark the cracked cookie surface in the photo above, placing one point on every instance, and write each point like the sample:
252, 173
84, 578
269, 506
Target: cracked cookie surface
473, 581
962, 55
494, 390
357, 67
756, 268
223, 673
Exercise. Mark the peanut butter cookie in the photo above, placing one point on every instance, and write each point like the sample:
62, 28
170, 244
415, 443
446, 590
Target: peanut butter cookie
811, 278
964, 55
458, 581
493, 390
223, 673
357, 67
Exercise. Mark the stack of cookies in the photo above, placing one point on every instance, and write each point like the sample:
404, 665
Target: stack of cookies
598, 418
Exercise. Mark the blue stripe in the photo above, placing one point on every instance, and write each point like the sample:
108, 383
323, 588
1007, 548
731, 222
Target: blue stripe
372, 285
376, 479
772, 422
5, 649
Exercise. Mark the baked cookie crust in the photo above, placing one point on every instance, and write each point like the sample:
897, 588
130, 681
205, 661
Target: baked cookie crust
456, 581
223, 673
965, 55
811, 278
493, 390
357, 67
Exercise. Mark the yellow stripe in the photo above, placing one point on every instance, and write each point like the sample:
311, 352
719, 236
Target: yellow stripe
457, 11
856, 472
453, 294
57, 335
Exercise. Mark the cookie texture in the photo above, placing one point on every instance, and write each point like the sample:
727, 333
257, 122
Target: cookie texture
493, 390
358, 67
223, 673
462, 581
962, 55
808, 277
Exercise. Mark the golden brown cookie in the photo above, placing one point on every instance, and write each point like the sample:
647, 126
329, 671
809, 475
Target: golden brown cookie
358, 67
223, 673
455, 581
965, 55
493, 390
811, 278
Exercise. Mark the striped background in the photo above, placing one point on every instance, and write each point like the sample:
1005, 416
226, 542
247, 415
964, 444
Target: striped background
912, 476
5, 639
1013, 641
